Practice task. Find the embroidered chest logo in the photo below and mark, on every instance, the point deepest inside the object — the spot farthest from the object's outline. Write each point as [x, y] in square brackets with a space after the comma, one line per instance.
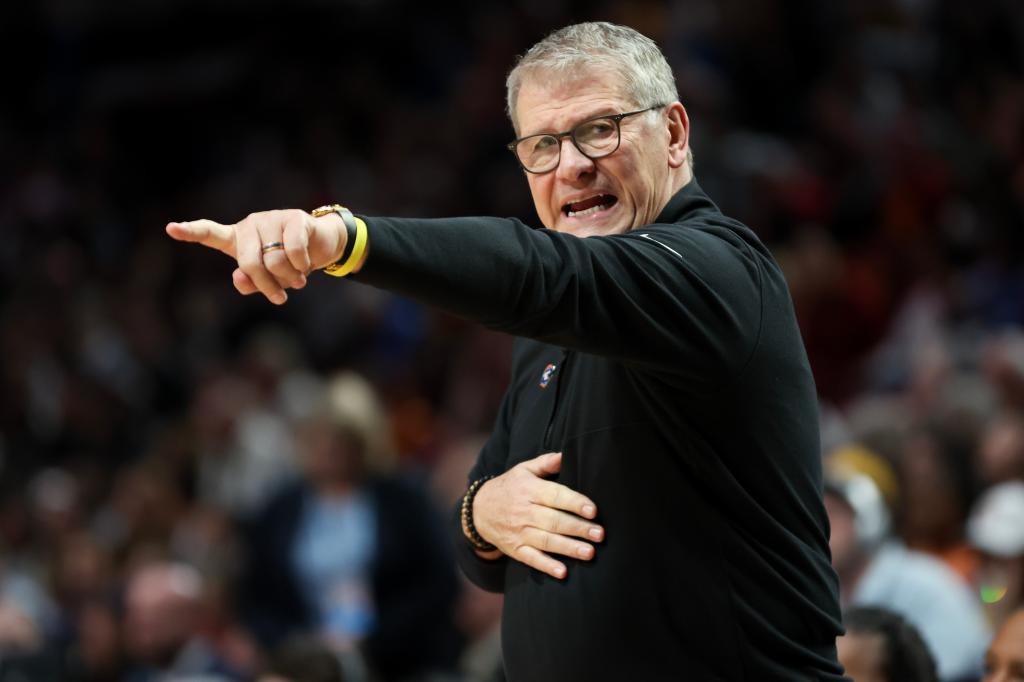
[545, 376]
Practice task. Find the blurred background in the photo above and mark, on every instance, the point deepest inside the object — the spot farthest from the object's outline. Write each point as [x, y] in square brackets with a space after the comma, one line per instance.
[170, 452]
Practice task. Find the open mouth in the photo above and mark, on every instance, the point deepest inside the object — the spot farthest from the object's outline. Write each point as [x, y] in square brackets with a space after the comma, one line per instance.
[589, 206]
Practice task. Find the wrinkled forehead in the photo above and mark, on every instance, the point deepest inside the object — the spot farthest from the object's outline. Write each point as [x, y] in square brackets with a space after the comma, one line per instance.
[545, 91]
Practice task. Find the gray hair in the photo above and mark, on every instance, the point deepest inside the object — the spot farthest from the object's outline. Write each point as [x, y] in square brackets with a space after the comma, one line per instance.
[599, 46]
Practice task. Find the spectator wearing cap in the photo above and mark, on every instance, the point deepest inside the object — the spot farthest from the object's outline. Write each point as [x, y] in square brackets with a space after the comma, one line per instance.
[875, 569]
[996, 528]
[1004, 660]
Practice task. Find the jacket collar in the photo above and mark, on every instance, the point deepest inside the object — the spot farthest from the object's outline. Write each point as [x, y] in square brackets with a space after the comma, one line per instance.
[688, 200]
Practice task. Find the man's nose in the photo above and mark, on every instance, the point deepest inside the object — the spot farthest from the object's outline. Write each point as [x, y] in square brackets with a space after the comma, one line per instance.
[573, 163]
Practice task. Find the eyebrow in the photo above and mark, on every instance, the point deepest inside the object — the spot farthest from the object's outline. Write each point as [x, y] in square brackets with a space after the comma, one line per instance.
[598, 113]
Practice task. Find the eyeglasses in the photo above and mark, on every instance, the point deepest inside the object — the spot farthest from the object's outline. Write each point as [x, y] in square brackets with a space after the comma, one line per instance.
[595, 137]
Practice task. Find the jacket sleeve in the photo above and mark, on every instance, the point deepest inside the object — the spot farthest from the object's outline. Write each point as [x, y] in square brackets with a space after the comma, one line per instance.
[487, 574]
[679, 300]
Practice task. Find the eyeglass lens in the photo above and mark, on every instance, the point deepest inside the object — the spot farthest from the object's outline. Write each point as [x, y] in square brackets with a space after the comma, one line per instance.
[595, 138]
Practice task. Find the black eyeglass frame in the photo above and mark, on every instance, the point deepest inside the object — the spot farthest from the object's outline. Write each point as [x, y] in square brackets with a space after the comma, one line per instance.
[571, 134]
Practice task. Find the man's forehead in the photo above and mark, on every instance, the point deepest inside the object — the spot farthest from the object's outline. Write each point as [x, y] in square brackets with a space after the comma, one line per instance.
[548, 99]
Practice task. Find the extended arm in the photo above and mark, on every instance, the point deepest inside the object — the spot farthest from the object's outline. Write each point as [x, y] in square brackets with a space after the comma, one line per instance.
[680, 300]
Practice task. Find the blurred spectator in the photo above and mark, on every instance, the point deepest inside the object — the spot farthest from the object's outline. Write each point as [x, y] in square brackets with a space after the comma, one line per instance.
[243, 445]
[18, 633]
[28, 613]
[163, 627]
[141, 509]
[97, 654]
[303, 659]
[1003, 364]
[350, 551]
[1001, 450]
[880, 646]
[996, 528]
[876, 570]
[27, 617]
[1004, 661]
[477, 612]
[937, 490]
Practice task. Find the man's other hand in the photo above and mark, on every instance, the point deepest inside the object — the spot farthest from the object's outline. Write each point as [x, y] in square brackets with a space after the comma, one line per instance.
[298, 244]
[529, 518]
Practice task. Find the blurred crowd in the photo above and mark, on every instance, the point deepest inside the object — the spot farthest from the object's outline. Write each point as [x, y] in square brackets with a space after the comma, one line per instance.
[173, 456]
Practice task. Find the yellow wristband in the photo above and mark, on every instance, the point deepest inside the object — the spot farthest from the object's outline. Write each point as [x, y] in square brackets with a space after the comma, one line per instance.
[346, 268]
[357, 232]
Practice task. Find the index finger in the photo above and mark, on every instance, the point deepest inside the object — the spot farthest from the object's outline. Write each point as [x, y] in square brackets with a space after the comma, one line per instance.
[205, 232]
[558, 496]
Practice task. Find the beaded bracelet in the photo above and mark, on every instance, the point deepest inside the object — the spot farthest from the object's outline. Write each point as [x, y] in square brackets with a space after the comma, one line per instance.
[471, 533]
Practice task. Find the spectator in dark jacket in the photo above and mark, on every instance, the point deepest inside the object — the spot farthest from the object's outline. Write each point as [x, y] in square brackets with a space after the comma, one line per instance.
[350, 552]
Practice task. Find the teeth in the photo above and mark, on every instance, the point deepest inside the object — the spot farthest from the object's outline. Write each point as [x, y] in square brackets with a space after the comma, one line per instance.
[588, 211]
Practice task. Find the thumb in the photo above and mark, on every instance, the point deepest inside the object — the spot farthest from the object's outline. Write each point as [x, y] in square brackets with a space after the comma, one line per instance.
[205, 232]
[545, 465]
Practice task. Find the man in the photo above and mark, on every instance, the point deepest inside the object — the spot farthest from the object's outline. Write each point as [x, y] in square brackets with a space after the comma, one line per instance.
[1004, 661]
[880, 646]
[650, 499]
[162, 624]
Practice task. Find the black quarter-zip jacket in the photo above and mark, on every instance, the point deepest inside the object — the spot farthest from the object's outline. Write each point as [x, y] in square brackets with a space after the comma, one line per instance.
[666, 365]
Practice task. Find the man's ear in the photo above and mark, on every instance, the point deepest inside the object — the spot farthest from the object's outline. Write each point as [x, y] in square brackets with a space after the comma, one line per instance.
[679, 134]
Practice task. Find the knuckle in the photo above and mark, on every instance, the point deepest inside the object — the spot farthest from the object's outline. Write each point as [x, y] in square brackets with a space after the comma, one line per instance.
[276, 261]
[250, 266]
[277, 266]
[557, 523]
[557, 495]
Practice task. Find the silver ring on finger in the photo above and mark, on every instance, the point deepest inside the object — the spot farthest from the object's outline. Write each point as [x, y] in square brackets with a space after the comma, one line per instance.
[272, 246]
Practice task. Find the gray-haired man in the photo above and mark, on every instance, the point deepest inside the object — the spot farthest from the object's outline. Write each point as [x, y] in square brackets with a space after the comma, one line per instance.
[650, 498]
